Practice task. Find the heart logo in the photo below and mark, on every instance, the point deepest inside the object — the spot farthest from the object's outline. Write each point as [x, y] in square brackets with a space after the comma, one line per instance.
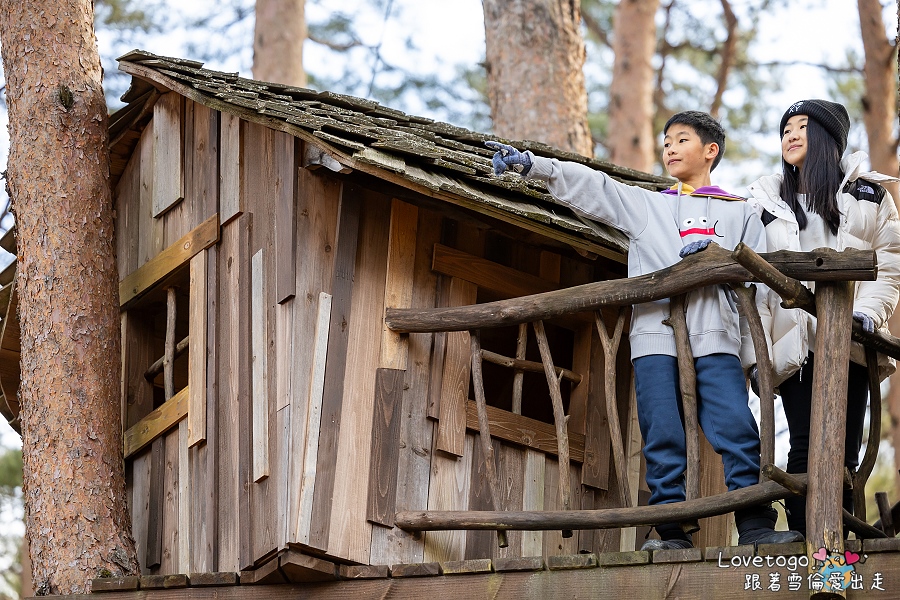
[852, 557]
[821, 554]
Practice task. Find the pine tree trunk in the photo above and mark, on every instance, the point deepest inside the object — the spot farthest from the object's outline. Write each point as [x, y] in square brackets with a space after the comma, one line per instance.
[630, 131]
[879, 115]
[58, 177]
[535, 56]
[278, 42]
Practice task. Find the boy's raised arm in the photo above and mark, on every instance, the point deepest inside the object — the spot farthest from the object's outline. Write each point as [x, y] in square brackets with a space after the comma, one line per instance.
[589, 193]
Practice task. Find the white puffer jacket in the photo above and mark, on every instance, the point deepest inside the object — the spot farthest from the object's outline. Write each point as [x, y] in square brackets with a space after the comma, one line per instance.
[868, 223]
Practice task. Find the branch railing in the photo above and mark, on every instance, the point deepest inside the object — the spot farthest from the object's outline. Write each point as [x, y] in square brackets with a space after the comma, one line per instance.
[782, 272]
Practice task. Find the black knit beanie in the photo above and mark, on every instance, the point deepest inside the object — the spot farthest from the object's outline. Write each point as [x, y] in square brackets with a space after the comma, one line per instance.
[830, 115]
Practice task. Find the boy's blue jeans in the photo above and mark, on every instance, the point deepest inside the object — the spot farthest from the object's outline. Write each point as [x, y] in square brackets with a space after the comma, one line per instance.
[724, 415]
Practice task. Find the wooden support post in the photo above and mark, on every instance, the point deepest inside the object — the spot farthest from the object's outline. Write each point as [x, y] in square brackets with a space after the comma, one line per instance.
[484, 431]
[884, 509]
[871, 455]
[519, 377]
[746, 296]
[169, 358]
[828, 418]
[560, 418]
[687, 377]
[610, 350]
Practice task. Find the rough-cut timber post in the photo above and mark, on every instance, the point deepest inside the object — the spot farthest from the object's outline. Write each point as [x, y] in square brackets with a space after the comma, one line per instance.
[871, 455]
[610, 350]
[169, 357]
[559, 417]
[687, 383]
[605, 518]
[76, 515]
[519, 377]
[747, 301]
[828, 417]
[484, 431]
[713, 266]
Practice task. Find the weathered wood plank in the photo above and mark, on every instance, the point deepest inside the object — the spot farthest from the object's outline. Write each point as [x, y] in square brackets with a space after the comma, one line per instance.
[155, 522]
[299, 568]
[455, 380]
[385, 451]
[318, 208]
[595, 468]
[524, 431]
[398, 288]
[352, 537]
[138, 490]
[241, 353]
[203, 187]
[160, 266]
[127, 202]
[511, 472]
[533, 499]
[168, 148]
[260, 373]
[286, 190]
[150, 230]
[449, 486]
[488, 274]
[159, 421]
[309, 456]
[197, 379]
[137, 392]
[395, 546]
[183, 525]
[338, 342]
[231, 155]
[170, 560]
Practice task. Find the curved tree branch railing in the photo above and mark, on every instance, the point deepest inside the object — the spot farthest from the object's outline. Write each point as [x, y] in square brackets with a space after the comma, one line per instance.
[714, 266]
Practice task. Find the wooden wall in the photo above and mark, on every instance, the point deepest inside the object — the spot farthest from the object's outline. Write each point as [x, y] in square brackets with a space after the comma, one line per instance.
[308, 424]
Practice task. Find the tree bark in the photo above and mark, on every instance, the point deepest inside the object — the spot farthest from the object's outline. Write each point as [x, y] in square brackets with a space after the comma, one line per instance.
[74, 486]
[278, 42]
[630, 131]
[535, 56]
[879, 114]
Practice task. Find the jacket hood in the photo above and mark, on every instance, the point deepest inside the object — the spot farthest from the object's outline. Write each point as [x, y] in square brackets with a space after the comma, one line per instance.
[709, 191]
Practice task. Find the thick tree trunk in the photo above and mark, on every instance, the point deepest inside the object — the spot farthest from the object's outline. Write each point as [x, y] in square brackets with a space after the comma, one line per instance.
[278, 42]
[58, 176]
[535, 55]
[630, 131]
[879, 116]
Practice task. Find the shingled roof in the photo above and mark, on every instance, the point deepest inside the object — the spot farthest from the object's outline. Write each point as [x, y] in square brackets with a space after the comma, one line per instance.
[448, 162]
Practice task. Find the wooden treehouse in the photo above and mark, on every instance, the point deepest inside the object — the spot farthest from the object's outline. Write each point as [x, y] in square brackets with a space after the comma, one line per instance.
[354, 357]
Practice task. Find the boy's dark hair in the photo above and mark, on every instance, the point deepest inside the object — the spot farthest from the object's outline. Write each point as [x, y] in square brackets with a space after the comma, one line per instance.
[820, 178]
[705, 126]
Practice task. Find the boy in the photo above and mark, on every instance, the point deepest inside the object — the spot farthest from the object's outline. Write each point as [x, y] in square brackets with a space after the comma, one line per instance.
[662, 227]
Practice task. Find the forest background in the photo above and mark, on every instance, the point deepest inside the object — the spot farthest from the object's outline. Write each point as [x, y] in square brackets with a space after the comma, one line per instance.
[743, 60]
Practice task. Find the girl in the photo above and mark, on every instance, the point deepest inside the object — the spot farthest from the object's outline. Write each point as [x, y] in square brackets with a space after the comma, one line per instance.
[823, 201]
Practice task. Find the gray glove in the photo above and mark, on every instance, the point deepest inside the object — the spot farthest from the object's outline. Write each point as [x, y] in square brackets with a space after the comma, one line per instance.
[694, 247]
[508, 157]
[754, 380]
[868, 323]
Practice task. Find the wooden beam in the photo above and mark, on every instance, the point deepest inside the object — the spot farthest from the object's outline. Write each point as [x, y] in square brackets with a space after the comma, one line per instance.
[169, 356]
[524, 431]
[135, 285]
[487, 274]
[197, 364]
[521, 365]
[610, 344]
[258, 361]
[710, 267]
[159, 421]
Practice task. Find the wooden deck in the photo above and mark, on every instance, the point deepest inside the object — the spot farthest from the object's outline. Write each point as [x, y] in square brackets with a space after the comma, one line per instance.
[741, 572]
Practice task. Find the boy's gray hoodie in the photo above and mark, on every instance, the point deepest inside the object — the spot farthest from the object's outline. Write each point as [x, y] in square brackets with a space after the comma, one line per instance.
[658, 226]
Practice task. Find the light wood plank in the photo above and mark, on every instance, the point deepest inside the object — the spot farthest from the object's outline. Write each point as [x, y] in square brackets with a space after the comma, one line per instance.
[449, 490]
[168, 158]
[159, 421]
[197, 357]
[259, 341]
[155, 270]
[533, 499]
[350, 534]
[337, 359]
[314, 415]
[398, 287]
[183, 564]
[284, 353]
[231, 156]
[455, 381]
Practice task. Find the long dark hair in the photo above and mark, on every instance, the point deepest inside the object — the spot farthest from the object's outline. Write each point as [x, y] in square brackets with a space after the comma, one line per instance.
[820, 178]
